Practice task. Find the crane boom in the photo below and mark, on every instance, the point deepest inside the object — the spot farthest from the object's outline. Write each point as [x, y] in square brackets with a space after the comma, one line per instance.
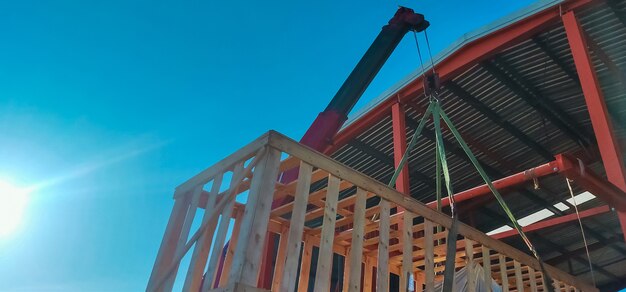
[329, 122]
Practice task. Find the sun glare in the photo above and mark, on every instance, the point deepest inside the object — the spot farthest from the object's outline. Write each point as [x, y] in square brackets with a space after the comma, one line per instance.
[12, 204]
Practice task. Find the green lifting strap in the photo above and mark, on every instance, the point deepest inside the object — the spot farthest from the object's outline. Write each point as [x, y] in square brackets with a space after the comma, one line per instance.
[405, 156]
[499, 198]
[448, 276]
[442, 166]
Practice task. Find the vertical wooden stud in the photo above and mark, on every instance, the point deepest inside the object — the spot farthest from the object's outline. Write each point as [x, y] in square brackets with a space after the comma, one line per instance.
[532, 278]
[279, 269]
[356, 251]
[170, 240]
[203, 245]
[346, 271]
[220, 236]
[305, 267]
[246, 262]
[296, 227]
[503, 274]
[325, 258]
[429, 262]
[419, 282]
[487, 268]
[407, 250]
[184, 235]
[368, 274]
[519, 281]
[230, 253]
[382, 278]
[469, 267]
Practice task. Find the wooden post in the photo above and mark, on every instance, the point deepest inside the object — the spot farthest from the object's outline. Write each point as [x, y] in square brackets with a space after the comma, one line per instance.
[228, 261]
[419, 282]
[356, 251]
[294, 240]
[280, 261]
[247, 258]
[519, 281]
[203, 246]
[368, 275]
[325, 257]
[487, 268]
[170, 240]
[382, 278]
[469, 267]
[407, 250]
[220, 237]
[429, 262]
[556, 284]
[503, 274]
[346, 271]
[305, 267]
[184, 234]
[532, 278]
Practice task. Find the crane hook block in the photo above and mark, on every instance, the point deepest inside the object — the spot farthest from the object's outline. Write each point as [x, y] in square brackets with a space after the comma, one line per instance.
[407, 17]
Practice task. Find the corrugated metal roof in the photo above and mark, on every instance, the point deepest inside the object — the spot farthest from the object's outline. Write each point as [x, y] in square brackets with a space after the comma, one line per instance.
[538, 70]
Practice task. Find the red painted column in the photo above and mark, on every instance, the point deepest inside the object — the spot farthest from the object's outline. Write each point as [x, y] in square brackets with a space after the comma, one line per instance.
[600, 120]
[399, 146]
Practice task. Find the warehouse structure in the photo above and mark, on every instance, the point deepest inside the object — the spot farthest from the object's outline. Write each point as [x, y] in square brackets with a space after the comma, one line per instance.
[539, 96]
[521, 91]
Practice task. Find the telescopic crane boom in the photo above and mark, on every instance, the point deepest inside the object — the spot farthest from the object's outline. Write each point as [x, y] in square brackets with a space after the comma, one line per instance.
[329, 122]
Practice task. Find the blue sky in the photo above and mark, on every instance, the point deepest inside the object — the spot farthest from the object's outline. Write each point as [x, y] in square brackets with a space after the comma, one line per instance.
[106, 106]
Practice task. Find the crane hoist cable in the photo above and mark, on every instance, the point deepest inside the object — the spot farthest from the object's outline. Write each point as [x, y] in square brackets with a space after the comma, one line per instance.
[435, 109]
[582, 230]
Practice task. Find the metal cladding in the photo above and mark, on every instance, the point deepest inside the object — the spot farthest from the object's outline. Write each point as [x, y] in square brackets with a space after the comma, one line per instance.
[533, 87]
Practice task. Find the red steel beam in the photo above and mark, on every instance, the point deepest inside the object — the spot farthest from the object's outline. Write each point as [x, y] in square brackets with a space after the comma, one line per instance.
[554, 221]
[462, 59]
[503, 183]
[563, 165]
[588, 180]
[602, 127]
[399, 146]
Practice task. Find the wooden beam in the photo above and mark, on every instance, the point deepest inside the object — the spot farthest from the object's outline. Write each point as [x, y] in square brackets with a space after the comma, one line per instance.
[230, 253]
[325, 257]
[356, 252]
[532, 279]
[246, 262]
[296, 227]
[368, 274]
[469, 257]
[184, 235]
[382, 278]
[407, 250]
[318, 160]
[281, 255]
[206, 175]
[519, 282]
[220, 237]
[305, 267]
[503, 274]
[487, 268]
[203, 246]
[429, 263]
[170, 240]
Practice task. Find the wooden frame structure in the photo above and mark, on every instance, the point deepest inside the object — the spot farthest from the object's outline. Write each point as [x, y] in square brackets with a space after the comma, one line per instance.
[328, 213]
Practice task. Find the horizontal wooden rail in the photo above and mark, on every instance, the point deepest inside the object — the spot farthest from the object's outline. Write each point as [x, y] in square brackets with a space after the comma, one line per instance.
[343, 172]
[329, 213]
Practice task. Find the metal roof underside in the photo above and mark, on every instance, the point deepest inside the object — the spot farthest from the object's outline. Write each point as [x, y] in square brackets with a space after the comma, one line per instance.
[505, 107]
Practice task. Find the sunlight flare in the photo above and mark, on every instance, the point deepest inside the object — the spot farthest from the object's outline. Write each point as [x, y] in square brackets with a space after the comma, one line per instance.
[13, 202]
